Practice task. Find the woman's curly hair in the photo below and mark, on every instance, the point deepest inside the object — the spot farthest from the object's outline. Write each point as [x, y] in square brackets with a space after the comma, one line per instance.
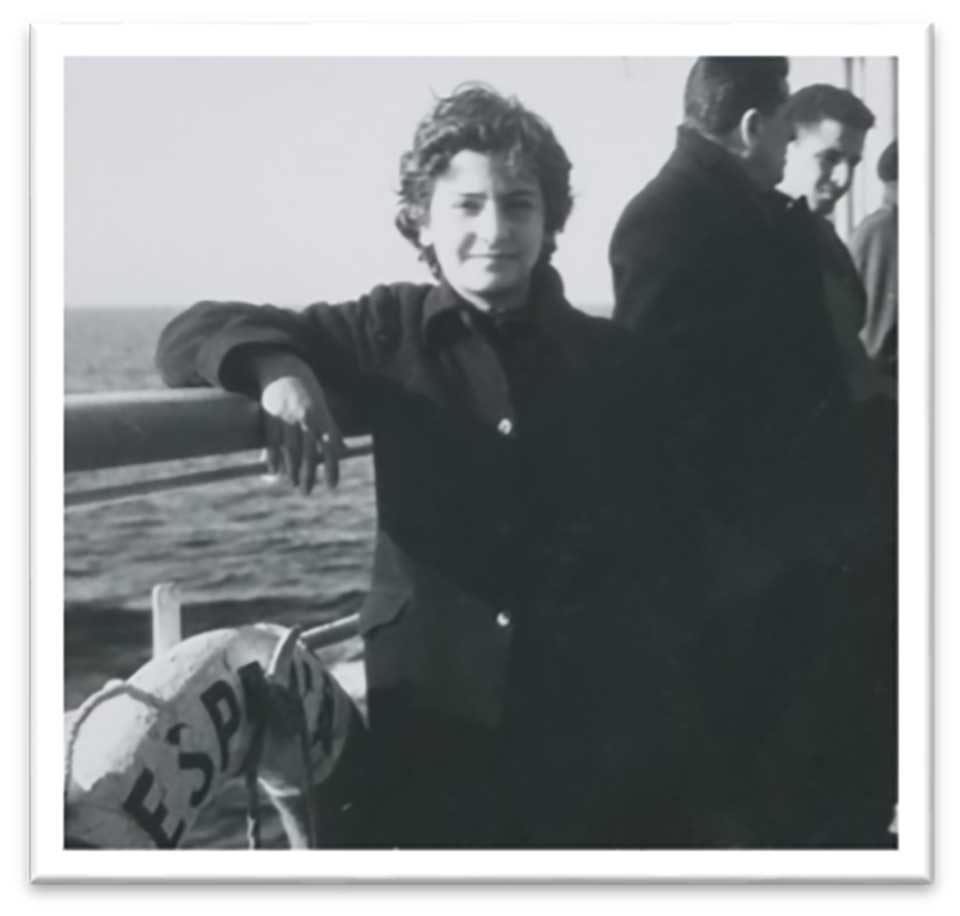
[476, 117]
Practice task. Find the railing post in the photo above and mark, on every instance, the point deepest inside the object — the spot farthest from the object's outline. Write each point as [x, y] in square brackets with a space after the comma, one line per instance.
[165, 603]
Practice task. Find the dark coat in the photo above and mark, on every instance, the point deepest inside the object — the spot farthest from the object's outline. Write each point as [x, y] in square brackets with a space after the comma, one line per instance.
[512, 671]
[722, 286]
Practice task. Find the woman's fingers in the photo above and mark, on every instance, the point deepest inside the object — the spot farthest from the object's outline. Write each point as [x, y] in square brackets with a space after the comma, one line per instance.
[308, 460]
[301, 422]
[330, 436]
[292, 452]
[331, 462]
[273, 453]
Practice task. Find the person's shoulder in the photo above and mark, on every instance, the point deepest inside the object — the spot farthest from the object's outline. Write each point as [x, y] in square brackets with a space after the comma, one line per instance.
[875, 234]
[654, 199]
[386, 317]
[879, 221]
[402, 295]
[598, 335]
[394, 304]
[669, 213]
[651, 226]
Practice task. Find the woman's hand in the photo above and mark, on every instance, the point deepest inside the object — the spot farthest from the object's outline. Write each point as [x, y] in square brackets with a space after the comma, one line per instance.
[298, 418]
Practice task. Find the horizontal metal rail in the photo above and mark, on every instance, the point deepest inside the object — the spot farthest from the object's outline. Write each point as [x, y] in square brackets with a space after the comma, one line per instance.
[167, 623]
[140, 427]
[328, 634]
[89, 496]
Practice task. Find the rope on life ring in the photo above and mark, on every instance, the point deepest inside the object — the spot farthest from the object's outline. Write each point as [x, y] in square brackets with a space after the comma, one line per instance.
[285, 700]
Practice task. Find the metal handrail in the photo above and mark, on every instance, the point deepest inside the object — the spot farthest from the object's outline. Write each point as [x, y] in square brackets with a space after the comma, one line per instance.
[124, 428]
[118, 428]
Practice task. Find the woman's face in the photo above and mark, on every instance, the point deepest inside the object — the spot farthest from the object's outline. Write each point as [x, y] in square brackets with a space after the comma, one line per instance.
[485, 223]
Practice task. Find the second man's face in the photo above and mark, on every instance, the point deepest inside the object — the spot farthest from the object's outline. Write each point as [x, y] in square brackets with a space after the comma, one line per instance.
[486, 226]
[821, 163]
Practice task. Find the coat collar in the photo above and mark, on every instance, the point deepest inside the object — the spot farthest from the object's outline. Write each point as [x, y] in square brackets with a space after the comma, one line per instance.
[720, 171]
[447, 317]
[707, 156]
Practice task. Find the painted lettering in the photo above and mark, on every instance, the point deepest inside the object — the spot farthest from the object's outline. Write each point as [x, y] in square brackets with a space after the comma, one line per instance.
[193, 760]
[151, 820]
[224, 711]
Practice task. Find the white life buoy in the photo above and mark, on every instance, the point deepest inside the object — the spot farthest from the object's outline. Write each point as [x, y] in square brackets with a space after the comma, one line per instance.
[143, 756]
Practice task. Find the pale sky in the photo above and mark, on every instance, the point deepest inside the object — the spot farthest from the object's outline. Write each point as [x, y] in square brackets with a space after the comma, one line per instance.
[273, 179]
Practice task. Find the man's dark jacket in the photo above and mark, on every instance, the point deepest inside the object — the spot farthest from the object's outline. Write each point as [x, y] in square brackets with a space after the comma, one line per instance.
[519, 689]
[722, 286]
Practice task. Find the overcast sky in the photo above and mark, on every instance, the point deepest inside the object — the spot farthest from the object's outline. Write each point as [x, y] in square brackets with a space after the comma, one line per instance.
[273, 179]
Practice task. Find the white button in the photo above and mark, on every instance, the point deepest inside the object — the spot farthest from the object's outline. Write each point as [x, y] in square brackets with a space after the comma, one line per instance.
[504, 619]
[505, 426]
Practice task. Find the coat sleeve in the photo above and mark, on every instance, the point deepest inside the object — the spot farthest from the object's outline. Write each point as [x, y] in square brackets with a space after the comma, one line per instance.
[874, 252]
[212, 343]
[641, 267]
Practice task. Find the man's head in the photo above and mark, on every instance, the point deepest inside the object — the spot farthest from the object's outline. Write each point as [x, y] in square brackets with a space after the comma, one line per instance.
[888, 165]
[737, 102]
[477, 147]
[830, 126]
[888, 171]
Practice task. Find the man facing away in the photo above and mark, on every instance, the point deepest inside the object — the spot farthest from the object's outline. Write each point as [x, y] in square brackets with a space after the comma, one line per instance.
[718, 276]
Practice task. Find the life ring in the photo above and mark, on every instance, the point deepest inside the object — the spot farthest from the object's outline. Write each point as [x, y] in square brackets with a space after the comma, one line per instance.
[145, 755]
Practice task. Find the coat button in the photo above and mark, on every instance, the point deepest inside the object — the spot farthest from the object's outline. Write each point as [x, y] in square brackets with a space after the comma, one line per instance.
[505, 426]
[504, 619]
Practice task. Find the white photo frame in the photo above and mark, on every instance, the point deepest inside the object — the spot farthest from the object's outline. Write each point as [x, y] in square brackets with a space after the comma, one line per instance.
[53, 46]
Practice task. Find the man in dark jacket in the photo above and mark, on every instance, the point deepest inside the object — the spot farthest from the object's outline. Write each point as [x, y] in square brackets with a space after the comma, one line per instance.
[718, 277]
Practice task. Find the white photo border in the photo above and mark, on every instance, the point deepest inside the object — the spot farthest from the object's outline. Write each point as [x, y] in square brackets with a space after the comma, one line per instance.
[51, 45]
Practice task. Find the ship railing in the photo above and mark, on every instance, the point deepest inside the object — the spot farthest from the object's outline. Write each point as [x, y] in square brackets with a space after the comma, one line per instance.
[124, 428]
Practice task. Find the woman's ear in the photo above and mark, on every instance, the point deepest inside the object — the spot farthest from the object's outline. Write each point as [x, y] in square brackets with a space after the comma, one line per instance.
[424, 234]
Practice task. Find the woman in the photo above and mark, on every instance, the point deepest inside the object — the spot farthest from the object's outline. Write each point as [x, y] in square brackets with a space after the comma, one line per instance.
[511, 674]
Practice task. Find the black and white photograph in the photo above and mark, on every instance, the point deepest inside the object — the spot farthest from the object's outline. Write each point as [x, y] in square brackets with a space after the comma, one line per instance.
[481, 460]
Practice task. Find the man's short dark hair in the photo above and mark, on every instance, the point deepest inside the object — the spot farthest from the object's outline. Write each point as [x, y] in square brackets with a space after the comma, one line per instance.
[720, 90]
[823, 102]
[476, 117]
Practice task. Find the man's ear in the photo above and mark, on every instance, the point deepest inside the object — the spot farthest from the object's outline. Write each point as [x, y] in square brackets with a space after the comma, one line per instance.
[749, 128]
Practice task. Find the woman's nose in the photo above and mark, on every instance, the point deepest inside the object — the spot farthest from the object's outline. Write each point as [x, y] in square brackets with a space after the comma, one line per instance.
[492, 223]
